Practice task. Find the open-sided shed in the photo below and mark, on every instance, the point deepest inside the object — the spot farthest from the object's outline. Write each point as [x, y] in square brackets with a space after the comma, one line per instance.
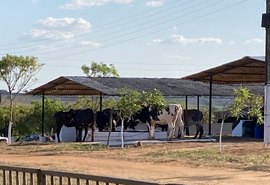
[108, 86]
[247, 70]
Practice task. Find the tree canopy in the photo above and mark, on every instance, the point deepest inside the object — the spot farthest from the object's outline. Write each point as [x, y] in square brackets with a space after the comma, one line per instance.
[100, 70]
[244, 99]
[18, 73]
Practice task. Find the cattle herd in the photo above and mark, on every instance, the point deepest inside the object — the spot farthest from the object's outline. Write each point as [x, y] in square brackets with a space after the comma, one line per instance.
[174, 118]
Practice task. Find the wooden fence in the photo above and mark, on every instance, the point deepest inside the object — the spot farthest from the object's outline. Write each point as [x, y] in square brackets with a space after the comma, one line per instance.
[14, 175]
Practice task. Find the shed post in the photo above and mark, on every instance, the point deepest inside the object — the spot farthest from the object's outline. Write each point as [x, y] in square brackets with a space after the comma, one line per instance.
[198, 102]
[186, 99]
[187, 128]
[100, 101]
[210, 103]
[43, 113]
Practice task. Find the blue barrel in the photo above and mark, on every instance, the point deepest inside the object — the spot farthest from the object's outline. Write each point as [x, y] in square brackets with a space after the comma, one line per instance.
[258, 131]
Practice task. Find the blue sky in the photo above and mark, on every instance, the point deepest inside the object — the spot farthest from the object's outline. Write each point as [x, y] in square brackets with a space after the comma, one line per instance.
[141, 38]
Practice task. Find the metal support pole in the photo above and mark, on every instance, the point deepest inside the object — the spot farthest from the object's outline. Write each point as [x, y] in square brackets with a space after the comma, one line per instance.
[210, 104]
[187, 128]
[186, 99]
[100, 101]
[266, 24]
[42, 114]
[198, 102]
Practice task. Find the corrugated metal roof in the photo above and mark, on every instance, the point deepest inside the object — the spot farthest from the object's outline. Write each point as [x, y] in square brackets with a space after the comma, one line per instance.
[245, 70]
[81, 85]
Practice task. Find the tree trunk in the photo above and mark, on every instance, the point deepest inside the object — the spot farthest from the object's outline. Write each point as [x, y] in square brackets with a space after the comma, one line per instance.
[10, 119]
[122, 133]
[220, 135]
[110, 127]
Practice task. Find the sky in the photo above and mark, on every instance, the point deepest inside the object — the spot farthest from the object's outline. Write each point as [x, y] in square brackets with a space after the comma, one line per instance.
[141, 38]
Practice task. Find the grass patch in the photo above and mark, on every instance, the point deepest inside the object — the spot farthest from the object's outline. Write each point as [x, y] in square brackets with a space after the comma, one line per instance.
[211, 157]
[51, 148]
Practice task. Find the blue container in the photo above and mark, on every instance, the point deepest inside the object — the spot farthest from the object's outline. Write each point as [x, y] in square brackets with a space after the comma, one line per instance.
[258, 131]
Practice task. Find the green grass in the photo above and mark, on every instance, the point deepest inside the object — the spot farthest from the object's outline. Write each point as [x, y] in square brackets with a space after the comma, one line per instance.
[212, 157]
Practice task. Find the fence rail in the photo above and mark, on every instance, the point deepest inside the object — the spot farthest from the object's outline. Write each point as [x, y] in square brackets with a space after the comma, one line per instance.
[15, 175]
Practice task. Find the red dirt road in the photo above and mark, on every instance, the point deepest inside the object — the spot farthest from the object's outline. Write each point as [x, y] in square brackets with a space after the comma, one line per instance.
[163, 173]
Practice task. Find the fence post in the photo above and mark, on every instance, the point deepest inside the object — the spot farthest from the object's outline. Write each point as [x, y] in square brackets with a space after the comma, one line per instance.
[41, 180]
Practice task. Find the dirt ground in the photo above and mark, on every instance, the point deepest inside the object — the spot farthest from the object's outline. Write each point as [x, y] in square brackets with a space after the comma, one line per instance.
[143, 163]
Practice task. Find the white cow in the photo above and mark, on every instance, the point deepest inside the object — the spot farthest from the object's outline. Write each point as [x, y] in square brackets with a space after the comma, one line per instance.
[171, 117]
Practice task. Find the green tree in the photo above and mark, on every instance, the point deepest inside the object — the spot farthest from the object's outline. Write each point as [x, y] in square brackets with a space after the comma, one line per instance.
[33, 119]
[84, 102]
[154, 97]
[132, 101]
[100, 70]
[4, 116]
[243, 99]
[129, 102]
[18, 73]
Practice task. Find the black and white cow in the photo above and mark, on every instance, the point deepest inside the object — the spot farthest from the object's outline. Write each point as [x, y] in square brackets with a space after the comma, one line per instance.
[172, 116]
[142, 116]
[194, 117]
[153, 117]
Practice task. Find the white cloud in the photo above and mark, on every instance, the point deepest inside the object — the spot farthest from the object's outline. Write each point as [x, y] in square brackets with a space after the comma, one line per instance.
[50, 34]
[78, 4]
[66, 23]
[254, 41]
[180, 39]
[90, 43]
[59, 28]
[156, 3]
[155, 41]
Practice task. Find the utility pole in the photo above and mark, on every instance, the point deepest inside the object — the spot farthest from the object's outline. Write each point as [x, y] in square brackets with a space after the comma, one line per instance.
[266, 25]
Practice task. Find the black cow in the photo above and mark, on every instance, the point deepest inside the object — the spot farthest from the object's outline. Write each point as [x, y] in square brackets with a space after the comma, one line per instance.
[83, 119]
[194, 117]
[63, 118]
[4, 131]
[103, 119]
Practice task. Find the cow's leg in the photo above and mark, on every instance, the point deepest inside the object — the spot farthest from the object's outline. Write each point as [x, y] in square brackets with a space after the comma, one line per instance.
[197, 130]
[187, 131]
[179, 129]
[170, 132]
[151, 128]
[77, 134]
[80, 138]
[201, 131]
[58, 129]
[85, 133]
